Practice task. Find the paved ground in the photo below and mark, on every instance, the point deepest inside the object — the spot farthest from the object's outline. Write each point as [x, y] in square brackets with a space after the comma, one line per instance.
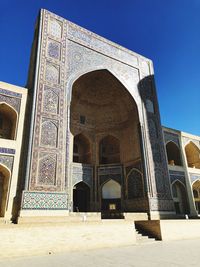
[40, 239]
[162, 254]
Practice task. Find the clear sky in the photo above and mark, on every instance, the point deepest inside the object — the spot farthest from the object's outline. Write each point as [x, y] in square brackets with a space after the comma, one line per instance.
[166, 31]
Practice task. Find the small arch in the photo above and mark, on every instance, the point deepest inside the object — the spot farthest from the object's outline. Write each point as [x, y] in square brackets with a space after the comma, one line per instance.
[173, 154]
[196, 194]
[111, 190]
[109, 150]
[81, 149]
[135, 184]
[179, 197]
[8, 121]
[193, 155]
[4, 182]
[81, 197]
[111, 196]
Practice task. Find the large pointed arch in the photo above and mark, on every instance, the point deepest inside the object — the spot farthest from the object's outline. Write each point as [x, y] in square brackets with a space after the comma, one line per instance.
[74, 77]
[102, 108]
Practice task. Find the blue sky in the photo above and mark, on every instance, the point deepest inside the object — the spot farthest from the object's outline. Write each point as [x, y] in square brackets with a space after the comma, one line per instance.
[166, 31]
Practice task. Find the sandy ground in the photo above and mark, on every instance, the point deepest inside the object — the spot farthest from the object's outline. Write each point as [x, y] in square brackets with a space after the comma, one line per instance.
[174, 253]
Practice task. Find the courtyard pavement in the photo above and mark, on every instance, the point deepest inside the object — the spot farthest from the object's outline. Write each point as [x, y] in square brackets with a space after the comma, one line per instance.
[162, 254]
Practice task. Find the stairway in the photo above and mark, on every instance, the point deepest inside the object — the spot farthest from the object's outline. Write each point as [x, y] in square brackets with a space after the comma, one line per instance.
[143, 237]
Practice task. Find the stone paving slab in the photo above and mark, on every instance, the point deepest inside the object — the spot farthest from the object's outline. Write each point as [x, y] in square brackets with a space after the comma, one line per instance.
[17, 240]
[159, 254]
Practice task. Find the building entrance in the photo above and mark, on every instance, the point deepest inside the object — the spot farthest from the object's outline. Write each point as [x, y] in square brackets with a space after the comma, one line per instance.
[81, 197]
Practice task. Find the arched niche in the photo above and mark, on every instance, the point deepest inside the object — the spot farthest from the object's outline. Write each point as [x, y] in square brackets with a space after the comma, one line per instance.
[81, 149]
[8, 121]
[196, 194]
[192, 155]
[111, 190]
[179, 197]
[4, 181]
[173, 154]
[109, 150]
[135, 184]
[81, 197]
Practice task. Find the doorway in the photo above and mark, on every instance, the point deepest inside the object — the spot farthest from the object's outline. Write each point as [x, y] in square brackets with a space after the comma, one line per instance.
[81, 197]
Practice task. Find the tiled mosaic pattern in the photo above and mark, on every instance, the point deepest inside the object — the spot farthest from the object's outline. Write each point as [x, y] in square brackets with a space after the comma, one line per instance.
[49, 132]
[47, 170]
[51, 101]
[135, 185]
[44, 201]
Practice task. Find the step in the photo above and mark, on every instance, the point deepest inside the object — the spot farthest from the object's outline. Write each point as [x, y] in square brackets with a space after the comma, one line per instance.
[142, 237]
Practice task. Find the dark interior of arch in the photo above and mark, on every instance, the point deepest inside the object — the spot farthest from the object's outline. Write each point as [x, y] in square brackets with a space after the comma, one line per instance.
[8, 118]
[173, 154]
[109, 150]
[81, 149]
[102, 106]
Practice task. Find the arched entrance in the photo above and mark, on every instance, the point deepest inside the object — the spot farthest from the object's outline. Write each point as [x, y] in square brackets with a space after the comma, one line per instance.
[81, 197]
[4, 180]
[104, 111]
[111, 196]
[179, 197]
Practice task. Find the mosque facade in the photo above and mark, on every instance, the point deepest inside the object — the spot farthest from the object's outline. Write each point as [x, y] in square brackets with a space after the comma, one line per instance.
[85, 135]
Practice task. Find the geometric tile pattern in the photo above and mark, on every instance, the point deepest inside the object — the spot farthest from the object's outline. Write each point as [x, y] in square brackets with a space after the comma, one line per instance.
[54, 49]
[177, 175]
[50, 101]
[44, 201]
[49, 132]
[55, 28]
[135, 185]
[47, 170]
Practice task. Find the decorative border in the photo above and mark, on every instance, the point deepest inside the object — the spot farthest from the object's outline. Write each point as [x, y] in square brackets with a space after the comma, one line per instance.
[7, 150]
[177, 175]
[10, 93]
[44, 201]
